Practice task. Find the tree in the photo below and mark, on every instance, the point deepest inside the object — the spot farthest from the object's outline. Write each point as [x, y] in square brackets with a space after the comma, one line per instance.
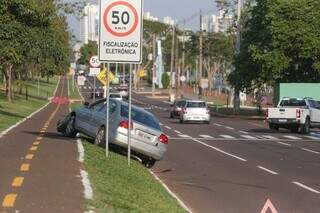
[86, 51]
[280, 43]
[165, 80]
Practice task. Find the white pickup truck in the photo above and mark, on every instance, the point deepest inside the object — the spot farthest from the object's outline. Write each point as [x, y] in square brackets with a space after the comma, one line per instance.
[296, 114]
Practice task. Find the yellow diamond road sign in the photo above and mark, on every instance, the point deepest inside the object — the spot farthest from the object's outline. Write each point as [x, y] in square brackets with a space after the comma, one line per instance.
[102, 77]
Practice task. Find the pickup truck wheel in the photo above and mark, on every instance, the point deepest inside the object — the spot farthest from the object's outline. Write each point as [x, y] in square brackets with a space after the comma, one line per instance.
[273, 126]
[100, 137]
[305, 128]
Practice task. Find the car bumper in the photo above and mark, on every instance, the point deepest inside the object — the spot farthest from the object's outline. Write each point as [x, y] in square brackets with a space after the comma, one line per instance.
[155, 151]
[187, 117]
[283, 121]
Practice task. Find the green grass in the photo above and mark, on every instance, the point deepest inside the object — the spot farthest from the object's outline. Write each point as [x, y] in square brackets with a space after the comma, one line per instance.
[73, 91]
[11, 113]
[119, 188]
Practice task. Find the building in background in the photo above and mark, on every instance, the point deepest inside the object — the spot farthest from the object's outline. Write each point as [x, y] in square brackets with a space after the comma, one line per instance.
[221, 22]
[149, 17]
[89, 24]
[168, 20]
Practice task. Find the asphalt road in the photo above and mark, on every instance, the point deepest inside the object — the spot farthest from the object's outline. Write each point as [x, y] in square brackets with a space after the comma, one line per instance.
[39, 167]
[235, 165]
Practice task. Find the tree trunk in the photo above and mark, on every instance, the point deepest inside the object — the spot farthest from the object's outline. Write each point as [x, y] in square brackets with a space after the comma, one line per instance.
[9, 83]
[20, 83]
[236, 101]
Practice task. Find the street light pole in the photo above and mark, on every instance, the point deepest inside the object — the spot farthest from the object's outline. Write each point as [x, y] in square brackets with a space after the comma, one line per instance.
[154, 64]
[200, 56]
[172, 61]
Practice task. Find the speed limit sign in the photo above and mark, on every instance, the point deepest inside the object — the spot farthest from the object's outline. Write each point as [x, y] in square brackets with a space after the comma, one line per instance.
[121, 26]
[94, 62]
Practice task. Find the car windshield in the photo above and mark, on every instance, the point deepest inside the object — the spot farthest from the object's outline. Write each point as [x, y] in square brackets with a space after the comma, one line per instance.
[141, 117]
[293, 103]
[115, 96]
[196, 105]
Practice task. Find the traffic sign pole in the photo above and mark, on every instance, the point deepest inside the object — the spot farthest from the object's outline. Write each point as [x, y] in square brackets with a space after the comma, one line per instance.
[94, 88]
[107, 111]
[129, 115]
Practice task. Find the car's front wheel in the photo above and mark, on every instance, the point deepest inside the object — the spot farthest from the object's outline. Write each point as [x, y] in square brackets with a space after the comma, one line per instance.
[100, 138]
[148, 162]
[305, 128]
[70, 129]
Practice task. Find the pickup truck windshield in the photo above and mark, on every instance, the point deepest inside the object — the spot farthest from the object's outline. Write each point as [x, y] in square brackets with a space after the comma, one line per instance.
[293, 103]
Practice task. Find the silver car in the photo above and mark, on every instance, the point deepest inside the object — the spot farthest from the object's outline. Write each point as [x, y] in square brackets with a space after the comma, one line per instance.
[148, 142]
[195, 111]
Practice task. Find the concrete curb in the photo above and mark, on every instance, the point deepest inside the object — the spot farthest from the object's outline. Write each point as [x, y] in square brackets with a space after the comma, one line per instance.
[216, 114]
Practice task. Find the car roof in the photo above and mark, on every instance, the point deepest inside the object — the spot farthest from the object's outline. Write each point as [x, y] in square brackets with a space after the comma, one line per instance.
[139, 109]
[196, 101]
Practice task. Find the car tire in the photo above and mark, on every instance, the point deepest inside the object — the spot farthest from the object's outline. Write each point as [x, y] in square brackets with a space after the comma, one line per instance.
[207, 122]
[100, 138]
[273, 126]
[305, 128]
[70, 129]
[294, 129]
[148, 162]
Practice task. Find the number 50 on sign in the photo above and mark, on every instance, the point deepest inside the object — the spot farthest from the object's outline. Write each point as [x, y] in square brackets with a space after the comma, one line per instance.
[121, 26]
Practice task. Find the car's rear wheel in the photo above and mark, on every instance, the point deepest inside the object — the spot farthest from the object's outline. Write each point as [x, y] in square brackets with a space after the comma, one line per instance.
[273, 126]
[148, 162]
[305, 128]
[100, 138]
[70, 129]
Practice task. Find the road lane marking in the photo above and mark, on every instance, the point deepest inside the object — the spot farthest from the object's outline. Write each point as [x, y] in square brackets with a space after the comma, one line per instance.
[33, 148]
[206, 136]
[227, 136]
[228, 127]
[25, 167]
[292, 137]
[17, 181]
[267, 170]
[309, 150]
[9, 200]
[282, 143]
[176, 131]
[168, 127]
[249, 137]
[306, 187]
[220, 150]
[29, 156]
[312, 137]
[217, 124]
[243, 132]
[39, 138]
[36, 143]
[184, 136]
[270, 137]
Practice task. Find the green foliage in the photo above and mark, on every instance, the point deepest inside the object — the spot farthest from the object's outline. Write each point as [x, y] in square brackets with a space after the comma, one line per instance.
[280, 43]
[165, 80]
[86, 51]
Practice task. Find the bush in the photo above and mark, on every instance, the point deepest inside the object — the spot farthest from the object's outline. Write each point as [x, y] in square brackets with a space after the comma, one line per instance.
[165, 80]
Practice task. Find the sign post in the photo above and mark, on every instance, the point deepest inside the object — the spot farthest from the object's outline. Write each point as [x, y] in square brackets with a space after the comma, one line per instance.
[94, 64]
[120, 41]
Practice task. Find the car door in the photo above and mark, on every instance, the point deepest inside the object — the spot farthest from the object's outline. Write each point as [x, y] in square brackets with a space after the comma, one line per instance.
[315, 111]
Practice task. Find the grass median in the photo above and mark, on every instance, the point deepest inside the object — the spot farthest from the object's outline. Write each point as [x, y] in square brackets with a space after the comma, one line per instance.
[19, 108]
[119, 188]
[74, 96]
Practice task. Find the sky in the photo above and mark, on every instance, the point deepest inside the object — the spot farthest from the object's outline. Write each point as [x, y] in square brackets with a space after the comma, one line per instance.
[177, 9]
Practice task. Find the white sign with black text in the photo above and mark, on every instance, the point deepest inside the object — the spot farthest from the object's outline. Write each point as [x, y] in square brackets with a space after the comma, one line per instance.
[121, 27]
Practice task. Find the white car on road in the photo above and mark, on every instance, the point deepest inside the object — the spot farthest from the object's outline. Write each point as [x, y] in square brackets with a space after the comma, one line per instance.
[195, 111]
[295, 114]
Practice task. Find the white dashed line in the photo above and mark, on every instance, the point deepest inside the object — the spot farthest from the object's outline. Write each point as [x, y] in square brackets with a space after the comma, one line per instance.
[267, 170]
[184, 136]
[206, 136]
[176, 131]
[306, 187]
[228, 127]
[269, 137]
[217, 124]
[168, 127]
[227, 136]
[292, 137]
[219, 150]
[286, 144]
[309, 150]
[248, 137]
[243, 132]
[312, 137]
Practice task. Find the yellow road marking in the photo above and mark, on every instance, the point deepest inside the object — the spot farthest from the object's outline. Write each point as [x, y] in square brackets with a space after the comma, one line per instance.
[9, 200]
[17, 181]
[29, 156]
[39, 138]
[33, 148]
[42, 131]
[25, 167]
[36, 143]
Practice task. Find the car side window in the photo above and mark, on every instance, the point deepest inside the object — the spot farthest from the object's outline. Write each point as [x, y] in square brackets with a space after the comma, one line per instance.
[113, 107]
[97, 106]
[316, 105]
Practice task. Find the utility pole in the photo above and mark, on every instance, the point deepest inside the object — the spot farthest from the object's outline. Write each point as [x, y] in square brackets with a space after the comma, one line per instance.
[172, 60]
[200, 56]
[154, 43]
[183, 48]
[177, 69]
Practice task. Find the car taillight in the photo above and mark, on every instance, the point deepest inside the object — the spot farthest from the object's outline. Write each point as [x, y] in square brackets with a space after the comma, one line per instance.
[163, 139]
[125, 124]
[298, 113]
